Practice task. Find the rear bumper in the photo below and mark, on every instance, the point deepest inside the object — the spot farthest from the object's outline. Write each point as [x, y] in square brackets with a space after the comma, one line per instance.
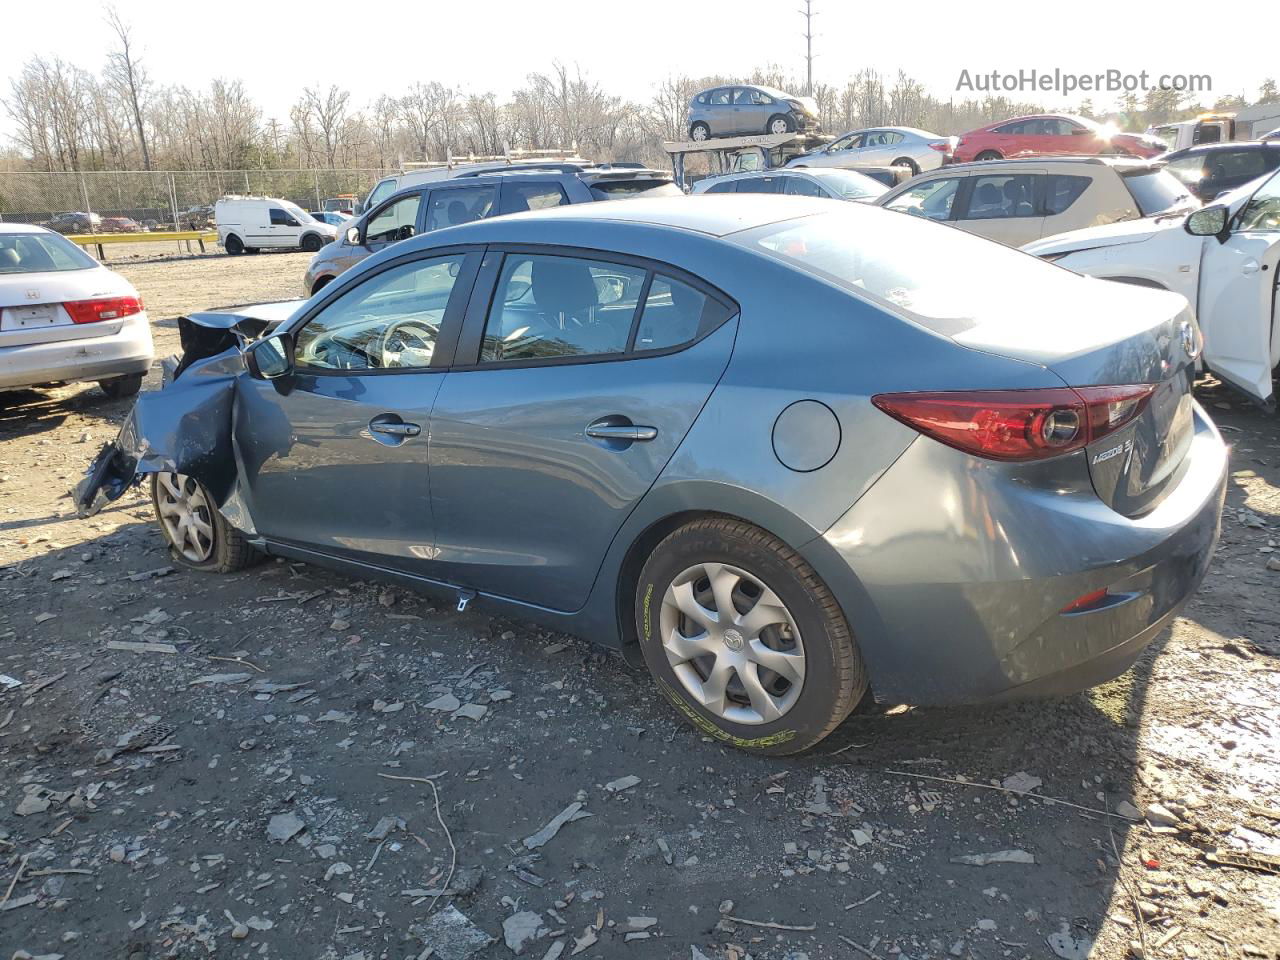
[956, 574]
[126, 352]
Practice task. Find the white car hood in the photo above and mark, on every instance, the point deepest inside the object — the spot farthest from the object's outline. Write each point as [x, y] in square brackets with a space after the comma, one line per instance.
[1107, 235]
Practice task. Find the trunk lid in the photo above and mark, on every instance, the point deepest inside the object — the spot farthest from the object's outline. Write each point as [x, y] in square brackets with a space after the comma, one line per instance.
[1116, 334]
[31, 308]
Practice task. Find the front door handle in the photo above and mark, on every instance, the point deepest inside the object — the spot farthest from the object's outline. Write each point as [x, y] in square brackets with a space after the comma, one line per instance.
[389, 429]
[625, 432]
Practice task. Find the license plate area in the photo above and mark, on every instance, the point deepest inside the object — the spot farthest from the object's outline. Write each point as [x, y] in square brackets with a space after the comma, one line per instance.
[26, 318]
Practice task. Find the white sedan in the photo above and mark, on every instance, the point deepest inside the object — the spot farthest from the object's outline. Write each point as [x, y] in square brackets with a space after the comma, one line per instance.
[65, 318]
[1224, 258]
[882, 147]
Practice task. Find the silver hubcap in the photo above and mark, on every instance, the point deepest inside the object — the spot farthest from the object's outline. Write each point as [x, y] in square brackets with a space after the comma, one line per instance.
[699, 133]
[186, 515]
[779, 126]
[732, 643]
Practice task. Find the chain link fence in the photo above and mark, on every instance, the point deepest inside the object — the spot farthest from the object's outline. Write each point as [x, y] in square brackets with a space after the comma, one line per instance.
[168, 199]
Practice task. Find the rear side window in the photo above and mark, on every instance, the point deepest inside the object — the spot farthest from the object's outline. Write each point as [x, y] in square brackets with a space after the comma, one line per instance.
[673, 314]
[534, 196]
[40, 253]
[1002, 197]
[548, 308]
[449, 208]
[1062, 191]
[1155, 191]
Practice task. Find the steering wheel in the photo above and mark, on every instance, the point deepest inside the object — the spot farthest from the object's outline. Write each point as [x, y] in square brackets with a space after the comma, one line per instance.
[411, 337]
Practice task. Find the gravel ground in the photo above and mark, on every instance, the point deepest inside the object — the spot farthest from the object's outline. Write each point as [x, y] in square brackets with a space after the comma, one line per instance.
[296, 765]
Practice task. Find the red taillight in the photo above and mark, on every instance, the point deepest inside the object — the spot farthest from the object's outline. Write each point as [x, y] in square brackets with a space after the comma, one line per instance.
[1086, 602]
[1018, 424]
[942, 147]
[109, 308]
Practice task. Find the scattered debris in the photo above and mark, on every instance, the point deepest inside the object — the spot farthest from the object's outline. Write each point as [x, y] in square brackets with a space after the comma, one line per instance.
[1068, 946]
[1021, 782]
[141, 646]
[572, 812]
[999, 856]
[449, 935]
[283, 827]
[622, 783]
[520, 928]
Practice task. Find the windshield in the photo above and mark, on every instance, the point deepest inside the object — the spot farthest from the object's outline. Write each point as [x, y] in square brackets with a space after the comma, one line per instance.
[41, 253]
[1262, 212]
[1156, 191]
[938, 275]
[298, 213]
[849, 184]
[631, 189]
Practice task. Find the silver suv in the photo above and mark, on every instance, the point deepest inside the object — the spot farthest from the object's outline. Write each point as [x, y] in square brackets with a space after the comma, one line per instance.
[741, 110]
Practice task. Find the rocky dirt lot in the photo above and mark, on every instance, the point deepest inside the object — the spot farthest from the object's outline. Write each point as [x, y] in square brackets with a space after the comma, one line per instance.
[287, 763]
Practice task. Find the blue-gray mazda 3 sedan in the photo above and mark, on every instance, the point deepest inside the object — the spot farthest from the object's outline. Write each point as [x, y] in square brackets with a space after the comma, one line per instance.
[793, 449]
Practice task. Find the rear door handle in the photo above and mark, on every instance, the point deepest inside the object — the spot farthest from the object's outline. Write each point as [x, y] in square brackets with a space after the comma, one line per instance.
[626, 432]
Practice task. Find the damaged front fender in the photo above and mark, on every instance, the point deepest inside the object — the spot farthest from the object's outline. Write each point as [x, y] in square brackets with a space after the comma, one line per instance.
[186, 426]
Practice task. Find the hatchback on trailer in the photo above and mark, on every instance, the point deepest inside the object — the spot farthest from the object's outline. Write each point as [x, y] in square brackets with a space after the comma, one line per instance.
[66, 318]
[793, 449]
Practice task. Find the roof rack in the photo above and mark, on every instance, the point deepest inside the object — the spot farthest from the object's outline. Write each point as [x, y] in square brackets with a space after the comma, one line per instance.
[508, 157]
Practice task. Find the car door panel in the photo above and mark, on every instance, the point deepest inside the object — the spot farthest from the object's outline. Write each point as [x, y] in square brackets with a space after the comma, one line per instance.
[525, 502]
[1236, 309]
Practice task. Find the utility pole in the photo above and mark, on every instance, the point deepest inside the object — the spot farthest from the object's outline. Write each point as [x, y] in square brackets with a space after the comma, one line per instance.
[808, 46]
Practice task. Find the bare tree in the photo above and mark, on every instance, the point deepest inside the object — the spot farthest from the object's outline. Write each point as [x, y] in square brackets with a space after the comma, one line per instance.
[125, 71]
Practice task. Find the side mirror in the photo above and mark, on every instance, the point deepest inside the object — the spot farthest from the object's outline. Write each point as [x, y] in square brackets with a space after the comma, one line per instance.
[269, 358]
[1208, 222]
[353, 236]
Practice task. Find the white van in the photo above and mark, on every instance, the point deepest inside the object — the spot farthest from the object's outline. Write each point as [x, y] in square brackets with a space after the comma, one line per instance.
[250, 224]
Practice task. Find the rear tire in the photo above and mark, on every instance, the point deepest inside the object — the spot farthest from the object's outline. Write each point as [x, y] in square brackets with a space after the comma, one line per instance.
[120, 388]
[989, 155]
[233, 245]
[715, 671]
[198, 536]
[909, 164]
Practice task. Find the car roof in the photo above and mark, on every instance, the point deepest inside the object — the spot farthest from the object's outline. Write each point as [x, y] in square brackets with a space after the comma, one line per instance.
[1232, 145]
[1119, 163]
[22, 228]
[716, 216]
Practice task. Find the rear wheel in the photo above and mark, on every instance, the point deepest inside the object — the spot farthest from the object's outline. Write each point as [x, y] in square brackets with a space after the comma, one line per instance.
[989, 155]
[699, 131]
[780, 123]
[745, 639]
[118, 388]
[909, 164]
[233, 245]
[199, 537]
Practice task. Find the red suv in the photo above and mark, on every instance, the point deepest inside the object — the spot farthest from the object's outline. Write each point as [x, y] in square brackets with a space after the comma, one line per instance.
[1050, 135]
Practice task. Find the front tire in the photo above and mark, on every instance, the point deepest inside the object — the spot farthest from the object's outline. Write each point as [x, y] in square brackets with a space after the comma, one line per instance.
[699, 131]
[780, 123]
[121, 388]
[198, 536]
[745, 639]
[233, 245]
[311, 243]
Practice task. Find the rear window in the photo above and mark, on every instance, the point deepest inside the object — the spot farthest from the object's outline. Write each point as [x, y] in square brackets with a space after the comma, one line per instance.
[943, 280]
[41, 253]
[631, 189]
[1155, 191]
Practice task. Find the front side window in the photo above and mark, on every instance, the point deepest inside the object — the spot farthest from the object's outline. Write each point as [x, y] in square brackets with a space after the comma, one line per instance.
[758, 185]
[390, 321]
[721, 97]
[723, 187]
[1189, 169]
[1061, 191]
[850, 184]
[449, 208]
[1262, 212]
[41, 253]
[549, 307]
[394, 222]
[281, 219]
[852, 142]
[933, 199]
[1002, 197]
[1057, 127]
